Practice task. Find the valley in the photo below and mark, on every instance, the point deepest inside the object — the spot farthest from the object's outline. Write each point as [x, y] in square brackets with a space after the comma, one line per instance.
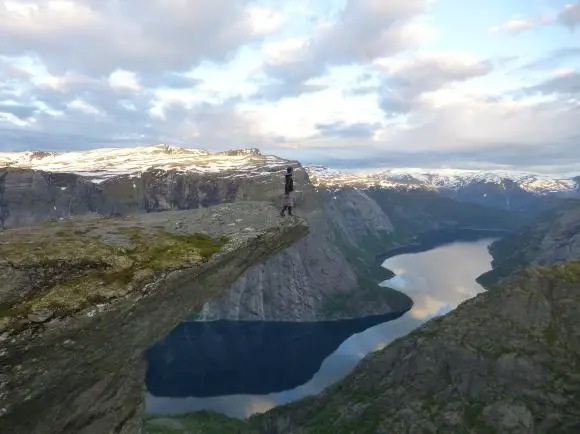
[117, 210]
[246, 367]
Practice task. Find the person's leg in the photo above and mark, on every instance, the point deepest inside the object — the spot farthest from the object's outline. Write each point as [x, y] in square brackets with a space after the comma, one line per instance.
[290, 210]
[285, 203]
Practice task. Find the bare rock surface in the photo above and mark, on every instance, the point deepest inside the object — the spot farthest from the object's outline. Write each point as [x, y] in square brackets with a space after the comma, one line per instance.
[87, 296]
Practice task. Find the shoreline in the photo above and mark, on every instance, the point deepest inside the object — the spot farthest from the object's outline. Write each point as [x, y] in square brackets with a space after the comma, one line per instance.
[439, 237]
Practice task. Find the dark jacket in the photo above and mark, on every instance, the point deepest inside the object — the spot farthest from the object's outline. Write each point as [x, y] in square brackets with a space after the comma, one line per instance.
[289, 184]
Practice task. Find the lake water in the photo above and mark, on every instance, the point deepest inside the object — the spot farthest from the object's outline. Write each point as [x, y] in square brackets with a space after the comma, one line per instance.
[241, 368]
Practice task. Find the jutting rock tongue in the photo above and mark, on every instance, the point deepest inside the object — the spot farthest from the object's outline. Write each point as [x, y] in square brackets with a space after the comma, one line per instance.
[73, 337]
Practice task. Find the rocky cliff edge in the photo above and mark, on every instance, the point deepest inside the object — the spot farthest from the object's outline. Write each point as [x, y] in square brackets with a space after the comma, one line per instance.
[81, 299]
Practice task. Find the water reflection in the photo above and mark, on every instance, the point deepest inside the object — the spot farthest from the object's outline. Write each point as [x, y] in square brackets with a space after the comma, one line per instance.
[253, 357]
[437, 280]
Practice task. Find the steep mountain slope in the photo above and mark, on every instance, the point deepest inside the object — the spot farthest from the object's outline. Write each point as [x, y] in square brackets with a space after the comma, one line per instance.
[501, 189]
[552, 239]
[506, 361]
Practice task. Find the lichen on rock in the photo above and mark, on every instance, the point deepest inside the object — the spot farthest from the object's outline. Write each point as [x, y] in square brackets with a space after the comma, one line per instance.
[68, 266]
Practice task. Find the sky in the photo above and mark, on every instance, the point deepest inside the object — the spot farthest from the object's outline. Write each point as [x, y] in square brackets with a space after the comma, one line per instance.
[345, 83]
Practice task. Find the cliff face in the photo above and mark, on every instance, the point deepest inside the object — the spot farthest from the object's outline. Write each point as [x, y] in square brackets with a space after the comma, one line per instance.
[28, 196]
[329, 274]
[72, 336]
[32, 196]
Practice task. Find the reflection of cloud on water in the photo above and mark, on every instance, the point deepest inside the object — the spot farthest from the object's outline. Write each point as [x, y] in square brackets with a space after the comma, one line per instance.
[441, 278]
[425, 306]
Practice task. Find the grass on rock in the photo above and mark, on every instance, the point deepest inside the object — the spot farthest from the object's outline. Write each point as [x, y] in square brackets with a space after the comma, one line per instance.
[73, 268]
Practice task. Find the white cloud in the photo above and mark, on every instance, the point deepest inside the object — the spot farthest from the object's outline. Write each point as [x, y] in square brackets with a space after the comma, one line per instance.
[145, 37]
[296, 118]
[514, 26]
[364, 31]
[264, 21]
[570, 15]
[367, 80]
[408, 79]
[124, 80]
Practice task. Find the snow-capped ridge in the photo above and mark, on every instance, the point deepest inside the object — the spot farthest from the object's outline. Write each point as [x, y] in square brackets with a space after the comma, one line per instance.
[101, 164]
[440, 179]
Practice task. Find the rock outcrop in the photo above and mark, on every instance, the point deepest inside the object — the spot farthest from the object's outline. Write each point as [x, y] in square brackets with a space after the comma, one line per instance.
[85, 297]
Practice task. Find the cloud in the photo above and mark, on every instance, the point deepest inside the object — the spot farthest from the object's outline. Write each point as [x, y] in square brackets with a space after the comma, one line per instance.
[339, 129]
[346, 82]
[146, 37]
[75, 110]
[570, 15]
[407, 80]
[455, 128]
[553, 59]
[565, 82]
[17, 110]
[514, 26]
[364, 31]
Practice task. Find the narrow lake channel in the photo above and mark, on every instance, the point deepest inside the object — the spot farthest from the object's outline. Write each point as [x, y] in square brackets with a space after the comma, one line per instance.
[242, 368]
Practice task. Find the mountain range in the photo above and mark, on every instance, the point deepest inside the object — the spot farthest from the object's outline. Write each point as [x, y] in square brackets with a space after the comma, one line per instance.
[499, 188]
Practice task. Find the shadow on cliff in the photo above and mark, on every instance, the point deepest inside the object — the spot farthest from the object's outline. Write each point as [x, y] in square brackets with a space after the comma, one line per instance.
[217, 358]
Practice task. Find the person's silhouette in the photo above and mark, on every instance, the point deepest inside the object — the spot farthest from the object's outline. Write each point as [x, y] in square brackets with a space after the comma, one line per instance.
[288, 201]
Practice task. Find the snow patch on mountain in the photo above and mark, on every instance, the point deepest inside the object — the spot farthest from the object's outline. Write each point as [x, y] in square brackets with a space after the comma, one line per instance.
[443, 179]
[105, 163]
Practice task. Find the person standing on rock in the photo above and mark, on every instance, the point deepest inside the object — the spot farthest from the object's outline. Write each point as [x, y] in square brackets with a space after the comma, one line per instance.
[288, 201]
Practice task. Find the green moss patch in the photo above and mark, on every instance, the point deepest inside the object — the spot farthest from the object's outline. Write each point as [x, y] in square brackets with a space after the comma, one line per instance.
[73, 268]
